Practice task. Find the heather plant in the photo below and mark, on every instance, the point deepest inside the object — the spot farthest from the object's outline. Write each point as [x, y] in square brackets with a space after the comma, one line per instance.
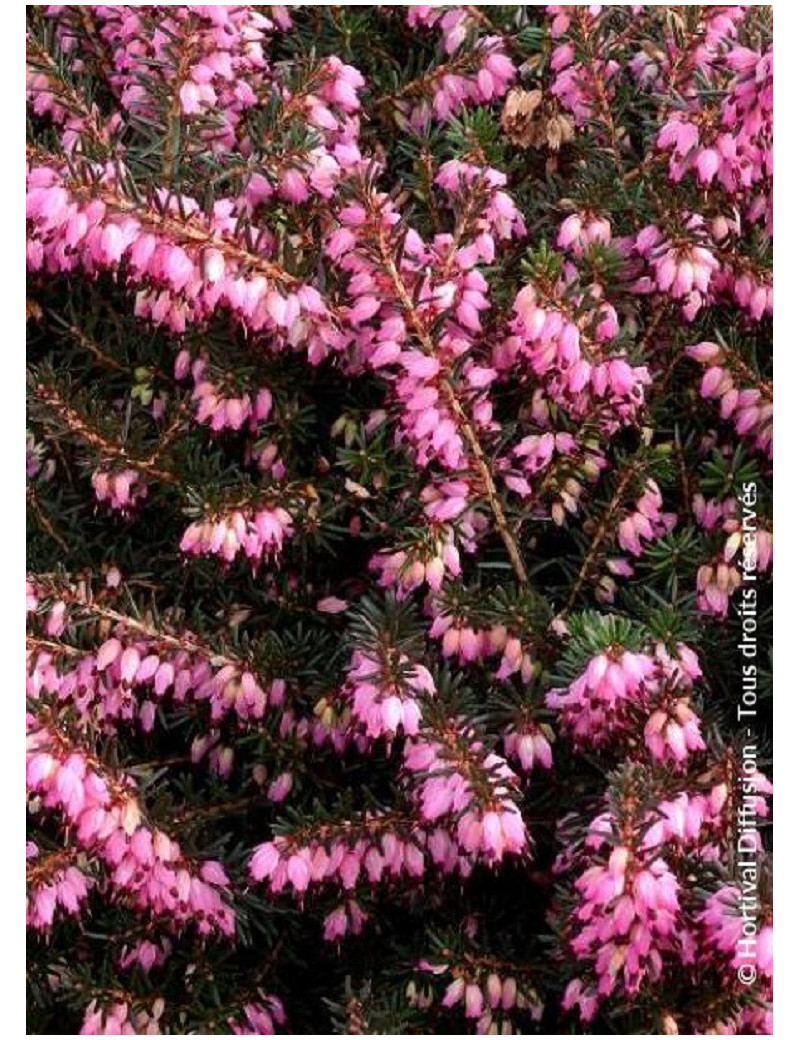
[399, 511]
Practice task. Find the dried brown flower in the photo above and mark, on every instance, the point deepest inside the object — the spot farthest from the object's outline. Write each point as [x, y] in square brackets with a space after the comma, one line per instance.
[532, 122]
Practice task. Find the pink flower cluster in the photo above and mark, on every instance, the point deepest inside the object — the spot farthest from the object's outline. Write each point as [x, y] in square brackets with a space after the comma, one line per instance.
[461, 639]
[719, 579]
[737, 157]
[548, 456]
[452, 524]
[749, 288]
[122, 490]
[407, 569]
[577, 358]
[119, 1019]
[259, 533]
[573, 84]
[60, 887]
[220, 410]
[260, 1018]
[375, 850]
[646, 522]
[622, 692]
[537, 452]
[498, 219]
[627, 921]
[347, 919]
[631, 919]
[466, 78]
[145, 954]
[630, 923]
[579, 231]
[129, 675]
[386, 694]
[488, 997]
[428, 283]
[597, 703]
[371, 850]
[681, 269]
[739, 937]
[697, 822]
[529, 744]
[749, 409]
[457, 780]
[464, 813]
[144, 866]
[183, 265]
[228, 72]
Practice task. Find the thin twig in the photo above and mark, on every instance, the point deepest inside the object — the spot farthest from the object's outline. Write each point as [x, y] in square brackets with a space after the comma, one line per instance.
[600, 534]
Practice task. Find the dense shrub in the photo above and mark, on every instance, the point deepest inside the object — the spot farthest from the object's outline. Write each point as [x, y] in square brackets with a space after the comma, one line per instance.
[399, 460]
